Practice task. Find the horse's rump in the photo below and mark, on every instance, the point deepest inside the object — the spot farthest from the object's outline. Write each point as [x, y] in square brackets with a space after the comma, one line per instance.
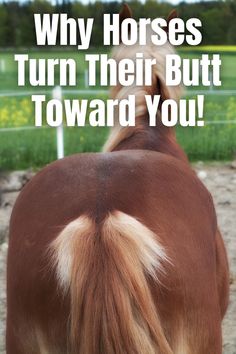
[97, 196]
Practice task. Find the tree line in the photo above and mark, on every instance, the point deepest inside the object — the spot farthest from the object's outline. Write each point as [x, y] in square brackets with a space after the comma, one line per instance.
[17, 24]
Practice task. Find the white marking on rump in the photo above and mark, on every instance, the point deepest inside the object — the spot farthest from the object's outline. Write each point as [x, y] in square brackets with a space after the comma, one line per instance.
[63, 248]
[150, 253]
[144, 242]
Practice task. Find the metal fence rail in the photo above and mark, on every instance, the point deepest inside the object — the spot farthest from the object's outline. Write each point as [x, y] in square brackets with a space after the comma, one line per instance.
[49, 92]
[105, 92]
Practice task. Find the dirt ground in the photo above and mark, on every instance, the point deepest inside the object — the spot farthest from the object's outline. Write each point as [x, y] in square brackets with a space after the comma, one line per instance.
[220, 179]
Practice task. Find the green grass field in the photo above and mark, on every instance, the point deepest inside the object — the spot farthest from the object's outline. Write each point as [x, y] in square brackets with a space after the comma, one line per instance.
[35, 148]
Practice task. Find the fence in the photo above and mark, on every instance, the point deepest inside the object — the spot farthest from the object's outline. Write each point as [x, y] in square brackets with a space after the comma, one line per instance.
[56, 93]
[217, 113]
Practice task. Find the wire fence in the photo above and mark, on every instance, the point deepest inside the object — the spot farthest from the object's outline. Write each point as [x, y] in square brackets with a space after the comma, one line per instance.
[40, 145]
[98, 92]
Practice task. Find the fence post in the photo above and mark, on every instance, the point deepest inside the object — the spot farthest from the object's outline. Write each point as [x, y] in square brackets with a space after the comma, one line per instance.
[2, 66]
[211, 81]
[86, 79]
[57, 95]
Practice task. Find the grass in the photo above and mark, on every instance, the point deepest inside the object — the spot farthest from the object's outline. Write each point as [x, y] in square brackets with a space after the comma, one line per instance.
[208, 143]
[35, 148]
[21, 150]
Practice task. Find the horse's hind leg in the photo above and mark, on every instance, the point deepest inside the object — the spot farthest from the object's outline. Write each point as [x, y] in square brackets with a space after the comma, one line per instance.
[199, 333]
[222, 276]
[14, 345]
[200, 345]
[21, 339]
[208, 343]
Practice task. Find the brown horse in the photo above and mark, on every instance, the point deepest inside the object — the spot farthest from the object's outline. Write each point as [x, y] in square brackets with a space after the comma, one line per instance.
[118, 252]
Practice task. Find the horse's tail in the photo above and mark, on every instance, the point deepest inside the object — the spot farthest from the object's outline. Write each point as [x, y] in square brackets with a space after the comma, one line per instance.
[106, 269]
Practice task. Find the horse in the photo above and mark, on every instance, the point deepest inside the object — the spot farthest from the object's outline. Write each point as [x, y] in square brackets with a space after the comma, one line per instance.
[118, 252]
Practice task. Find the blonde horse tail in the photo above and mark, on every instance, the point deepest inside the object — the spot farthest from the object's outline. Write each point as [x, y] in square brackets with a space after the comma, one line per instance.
[105, 269]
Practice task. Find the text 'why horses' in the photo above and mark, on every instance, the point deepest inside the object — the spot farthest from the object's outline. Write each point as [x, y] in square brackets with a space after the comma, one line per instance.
[59, 29]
